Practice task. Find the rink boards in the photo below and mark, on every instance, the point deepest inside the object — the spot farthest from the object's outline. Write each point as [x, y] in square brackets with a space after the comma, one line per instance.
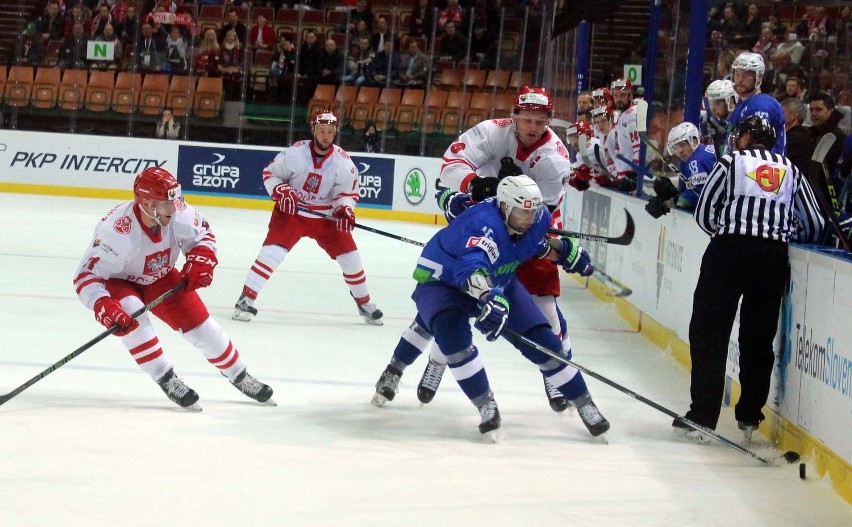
[811, 402]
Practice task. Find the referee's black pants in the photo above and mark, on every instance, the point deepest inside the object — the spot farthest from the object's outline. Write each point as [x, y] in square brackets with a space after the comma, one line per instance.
[734, 267]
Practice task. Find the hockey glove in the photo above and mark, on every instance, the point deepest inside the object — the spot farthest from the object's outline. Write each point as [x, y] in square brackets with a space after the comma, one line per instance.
[626, 183]
[494, 313]
[582, 176]
[508, 168]
[481, 188]
[664, 188]
[345, 218]
[603, 180]
[287, 198]
[656, 207]
[198, 269]
[453, 203]
[109, 313]
[574, 259]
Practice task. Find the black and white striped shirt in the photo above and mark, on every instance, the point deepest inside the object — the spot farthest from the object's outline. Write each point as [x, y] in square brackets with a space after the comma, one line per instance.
[757, 193]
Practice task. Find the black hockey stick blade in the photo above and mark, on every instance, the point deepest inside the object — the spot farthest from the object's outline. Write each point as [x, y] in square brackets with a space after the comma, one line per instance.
[514, 335]
[818, 163]
[624, 239]
[371, 229]
[61, 362]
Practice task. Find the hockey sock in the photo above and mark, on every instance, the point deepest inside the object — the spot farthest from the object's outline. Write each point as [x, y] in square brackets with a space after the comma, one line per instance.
[353, 274]
[412, 343]
[469, 371]
[216, 347]
[268, 260]
[143, 344]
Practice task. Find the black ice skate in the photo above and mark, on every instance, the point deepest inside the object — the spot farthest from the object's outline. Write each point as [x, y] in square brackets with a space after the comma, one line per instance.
[748, 428]
[387, 386]
[178, 392]
[372, 314]
[686, 431]
[592, 418]
[490, 415]
[558, 402]
[253, 388]
[430, 381]
[244, 309]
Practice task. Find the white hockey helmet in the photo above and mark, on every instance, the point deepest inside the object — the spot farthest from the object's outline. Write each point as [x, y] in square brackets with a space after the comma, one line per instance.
[750, 62]
[518, 192]
[683, 132]
[723, 90]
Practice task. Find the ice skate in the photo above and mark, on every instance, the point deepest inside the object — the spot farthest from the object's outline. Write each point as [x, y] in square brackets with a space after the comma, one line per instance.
[558, 402]
[253, 388]
[490, 415]
[748, 428]
[592, 418]
[387, 386]
[686, 431]
[244, 309]
[430, 381]
[372, 314]
[178, 392]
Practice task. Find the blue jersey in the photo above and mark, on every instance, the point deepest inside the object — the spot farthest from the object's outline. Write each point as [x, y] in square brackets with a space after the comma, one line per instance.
[765, 106]
[714, 130]
[696, 169]
[479, 240]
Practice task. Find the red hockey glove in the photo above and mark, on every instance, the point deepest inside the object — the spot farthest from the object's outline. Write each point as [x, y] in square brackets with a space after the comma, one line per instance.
[109, 313]
[581, 178]
[603, 180]
[287, 198]
[345, 218]
[198, 269]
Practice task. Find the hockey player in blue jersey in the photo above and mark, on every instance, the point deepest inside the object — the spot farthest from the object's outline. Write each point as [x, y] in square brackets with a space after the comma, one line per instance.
[748, 70]
[720, 100]
[467, 270]
[696, 162]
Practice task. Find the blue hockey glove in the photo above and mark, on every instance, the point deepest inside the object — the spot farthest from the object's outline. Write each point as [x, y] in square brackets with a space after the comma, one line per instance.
[574, 259]
[495, 312]
[453, 203]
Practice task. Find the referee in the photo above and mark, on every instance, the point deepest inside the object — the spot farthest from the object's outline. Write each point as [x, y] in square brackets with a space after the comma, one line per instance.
[752, 204]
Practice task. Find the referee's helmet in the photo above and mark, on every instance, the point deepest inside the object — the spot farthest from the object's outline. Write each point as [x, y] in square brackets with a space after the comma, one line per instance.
[759, 129]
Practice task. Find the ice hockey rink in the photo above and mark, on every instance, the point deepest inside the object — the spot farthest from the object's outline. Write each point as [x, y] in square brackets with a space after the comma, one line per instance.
[97, 443]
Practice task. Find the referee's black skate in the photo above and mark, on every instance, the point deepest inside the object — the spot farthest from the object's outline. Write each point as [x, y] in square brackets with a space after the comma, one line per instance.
[177, 391]
[253, 388]
[387, 386]
[430, 381]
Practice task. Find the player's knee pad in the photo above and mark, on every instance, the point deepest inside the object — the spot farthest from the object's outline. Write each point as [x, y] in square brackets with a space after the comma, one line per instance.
[350, 262]
[208, 335]
[272, 255]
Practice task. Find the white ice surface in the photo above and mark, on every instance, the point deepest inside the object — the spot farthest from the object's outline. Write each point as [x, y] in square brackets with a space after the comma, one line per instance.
[97, 443]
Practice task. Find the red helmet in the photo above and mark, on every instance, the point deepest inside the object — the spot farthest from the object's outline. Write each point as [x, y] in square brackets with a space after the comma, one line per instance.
[601, 110]
[580, 127]
[156, 183]
[622, 84]
[323, 116]
[602, 97]
[534, 99]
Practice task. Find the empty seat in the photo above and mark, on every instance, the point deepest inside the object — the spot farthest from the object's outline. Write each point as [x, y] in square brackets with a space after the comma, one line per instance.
[2, 81]
[385, 108]
[450, 79]
[125, 95]
[407, 116]
[152, 99]
[72, 89]
[99, 91]
[343, 101]
[211, 16]
[208, 97]
[503, 105]
[479, 110]
[260, 70]
[473, 80]
[457, 99]
[519, 79]
[450, 121]
[323, 98]
[45, 88]
[435, 102]
[497, 80]
[51, 53]
[362, 108]
[19, 86]
[180, 95]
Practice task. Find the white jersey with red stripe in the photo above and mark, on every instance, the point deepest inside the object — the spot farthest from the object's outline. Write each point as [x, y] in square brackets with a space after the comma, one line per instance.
[322, 183]
[627, 141]
[125, 249]
[601, 151]
[478, 152]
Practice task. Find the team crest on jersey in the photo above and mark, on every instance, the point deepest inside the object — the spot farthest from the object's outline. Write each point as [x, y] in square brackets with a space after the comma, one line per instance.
[768, 177]
[487, 245]
[534, 161]
[122, 225]
[562, 151]
[502, 123]
[312, 183]
[157, 264]
[457, 147]
[180, 204]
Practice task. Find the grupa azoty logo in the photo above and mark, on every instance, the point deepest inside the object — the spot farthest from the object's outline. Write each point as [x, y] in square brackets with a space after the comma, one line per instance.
[216, 174]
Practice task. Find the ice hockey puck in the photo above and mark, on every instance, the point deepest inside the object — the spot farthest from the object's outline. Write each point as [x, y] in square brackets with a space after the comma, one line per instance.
[803, 471]
[791, 456]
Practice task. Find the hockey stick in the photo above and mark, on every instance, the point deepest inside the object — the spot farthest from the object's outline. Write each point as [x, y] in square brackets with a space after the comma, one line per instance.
[622, 290]
[624, 239]
[642, 129]
[818, 158]
[647, 173]
[371, 229]
[599, 162]
[151, 305]
[790, 457]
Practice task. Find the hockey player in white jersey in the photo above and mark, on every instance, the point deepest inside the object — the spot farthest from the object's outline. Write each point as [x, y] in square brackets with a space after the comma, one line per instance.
[474, 164]
[596, 163]
[131, 261]
[627, 134]
[314, 175]
[604, 157]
